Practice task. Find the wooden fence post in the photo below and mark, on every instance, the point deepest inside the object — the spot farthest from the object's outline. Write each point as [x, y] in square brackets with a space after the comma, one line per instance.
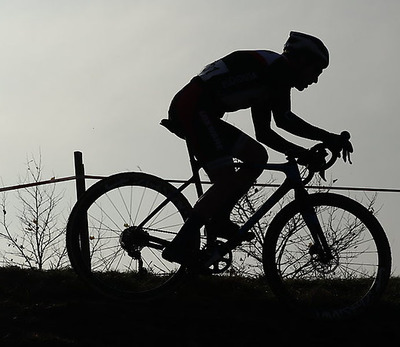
[80, 189]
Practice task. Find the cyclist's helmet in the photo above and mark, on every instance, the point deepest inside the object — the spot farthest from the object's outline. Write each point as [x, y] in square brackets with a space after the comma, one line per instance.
[312, 47]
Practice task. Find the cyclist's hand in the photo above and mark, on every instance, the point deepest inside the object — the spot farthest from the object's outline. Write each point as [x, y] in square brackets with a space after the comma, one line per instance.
[347, 146]
[340, 145]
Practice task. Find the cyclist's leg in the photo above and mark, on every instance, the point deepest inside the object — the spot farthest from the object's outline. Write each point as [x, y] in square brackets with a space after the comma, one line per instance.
[214, 142]
[230, 184]
[216, 147]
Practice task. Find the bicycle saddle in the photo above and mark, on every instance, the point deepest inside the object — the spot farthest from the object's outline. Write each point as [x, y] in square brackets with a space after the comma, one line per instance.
[173, 127]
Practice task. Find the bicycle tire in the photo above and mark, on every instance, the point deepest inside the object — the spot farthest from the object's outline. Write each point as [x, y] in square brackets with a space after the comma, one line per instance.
[348, 284]
[110, 207]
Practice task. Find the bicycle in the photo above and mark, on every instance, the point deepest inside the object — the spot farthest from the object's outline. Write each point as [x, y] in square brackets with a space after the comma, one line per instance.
[323, 253]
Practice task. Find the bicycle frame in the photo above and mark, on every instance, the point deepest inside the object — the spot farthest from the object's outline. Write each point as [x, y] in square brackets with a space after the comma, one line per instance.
[293, 181]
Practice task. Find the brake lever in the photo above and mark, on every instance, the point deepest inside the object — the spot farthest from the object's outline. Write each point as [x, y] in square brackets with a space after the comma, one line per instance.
[321, 150]
[322, 171]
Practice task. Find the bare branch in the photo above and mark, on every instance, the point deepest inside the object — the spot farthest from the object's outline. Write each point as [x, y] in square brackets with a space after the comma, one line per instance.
[38, 241]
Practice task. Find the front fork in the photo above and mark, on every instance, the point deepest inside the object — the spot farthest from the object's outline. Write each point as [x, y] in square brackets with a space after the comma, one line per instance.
[320, 246]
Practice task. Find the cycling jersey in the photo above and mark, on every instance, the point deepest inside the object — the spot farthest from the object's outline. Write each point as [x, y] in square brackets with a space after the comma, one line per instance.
[242, 78]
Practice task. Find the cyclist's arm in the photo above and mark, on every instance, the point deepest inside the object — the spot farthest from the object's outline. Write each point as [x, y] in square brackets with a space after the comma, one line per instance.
[297, 126]
[262, 125]
[285, 119]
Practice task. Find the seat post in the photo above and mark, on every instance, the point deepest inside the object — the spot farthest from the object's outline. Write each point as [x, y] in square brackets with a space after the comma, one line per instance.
[195, 166]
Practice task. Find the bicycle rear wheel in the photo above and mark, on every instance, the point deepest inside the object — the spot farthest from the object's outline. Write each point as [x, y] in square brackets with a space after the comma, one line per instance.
[350, 281]
[126, 219]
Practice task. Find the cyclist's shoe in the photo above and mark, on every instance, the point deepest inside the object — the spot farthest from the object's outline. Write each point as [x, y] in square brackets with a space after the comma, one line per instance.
[226, 229]
[184, 248]
[180, 255]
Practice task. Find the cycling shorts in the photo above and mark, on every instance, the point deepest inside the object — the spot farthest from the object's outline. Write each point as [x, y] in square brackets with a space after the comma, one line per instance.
[213, 141]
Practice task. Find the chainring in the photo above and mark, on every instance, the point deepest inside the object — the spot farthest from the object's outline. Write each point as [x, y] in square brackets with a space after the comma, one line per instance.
[221, 264]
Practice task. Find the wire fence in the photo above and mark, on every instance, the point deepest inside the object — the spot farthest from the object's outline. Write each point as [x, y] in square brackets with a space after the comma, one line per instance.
[178, 181]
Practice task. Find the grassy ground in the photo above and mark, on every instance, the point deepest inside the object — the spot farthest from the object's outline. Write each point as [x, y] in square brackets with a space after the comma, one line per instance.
[55, 309]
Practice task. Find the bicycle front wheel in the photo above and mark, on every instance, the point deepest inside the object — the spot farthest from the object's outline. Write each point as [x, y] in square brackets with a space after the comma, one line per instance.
[117, 231]
[350, 280]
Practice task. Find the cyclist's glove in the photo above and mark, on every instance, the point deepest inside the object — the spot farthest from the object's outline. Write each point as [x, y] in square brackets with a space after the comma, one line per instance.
[340, 144]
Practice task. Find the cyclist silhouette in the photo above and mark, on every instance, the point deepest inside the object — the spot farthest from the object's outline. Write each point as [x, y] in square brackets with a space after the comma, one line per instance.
[260, 80]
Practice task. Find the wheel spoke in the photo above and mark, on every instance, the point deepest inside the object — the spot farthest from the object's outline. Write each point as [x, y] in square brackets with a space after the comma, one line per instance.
[356, 269]
[123, 262]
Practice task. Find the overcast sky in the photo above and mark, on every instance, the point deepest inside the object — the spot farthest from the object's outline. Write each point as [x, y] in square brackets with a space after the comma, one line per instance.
[97, 76]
